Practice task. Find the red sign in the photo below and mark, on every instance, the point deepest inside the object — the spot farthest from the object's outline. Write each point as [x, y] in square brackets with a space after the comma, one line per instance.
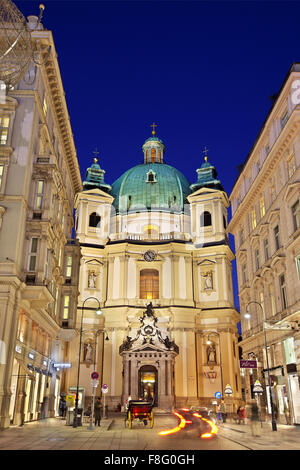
[246, 364]
[95, 375]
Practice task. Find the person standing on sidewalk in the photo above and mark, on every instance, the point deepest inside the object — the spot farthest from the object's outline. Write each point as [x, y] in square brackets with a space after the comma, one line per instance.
[254, 418]
[97, 411]
[223, 411]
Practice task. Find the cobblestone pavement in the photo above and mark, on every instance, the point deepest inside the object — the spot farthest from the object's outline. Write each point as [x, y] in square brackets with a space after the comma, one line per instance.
[53, 434]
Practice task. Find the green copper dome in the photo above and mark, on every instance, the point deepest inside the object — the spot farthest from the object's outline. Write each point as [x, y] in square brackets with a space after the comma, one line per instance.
[151, 186]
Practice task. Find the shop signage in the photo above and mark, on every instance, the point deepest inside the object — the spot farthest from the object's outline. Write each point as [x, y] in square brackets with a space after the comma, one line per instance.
[257, 387]
[248, 364]
[62, 365]
[228, 390]
[70, 400]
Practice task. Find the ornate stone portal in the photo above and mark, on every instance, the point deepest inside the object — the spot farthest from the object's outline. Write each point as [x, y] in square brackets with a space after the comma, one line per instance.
[148, 363]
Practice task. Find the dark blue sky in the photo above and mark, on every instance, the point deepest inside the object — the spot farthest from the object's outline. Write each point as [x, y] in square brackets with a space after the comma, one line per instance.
[203, 71]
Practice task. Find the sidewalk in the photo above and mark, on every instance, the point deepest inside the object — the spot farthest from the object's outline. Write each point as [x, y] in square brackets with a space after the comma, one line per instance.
[285, 438]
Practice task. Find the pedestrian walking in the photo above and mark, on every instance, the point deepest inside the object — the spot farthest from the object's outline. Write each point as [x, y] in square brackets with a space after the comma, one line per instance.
[97, 411]
[241, 412]
[254, 418]
[223, 411]
[219, 416]
[62, 407]
[286, 414]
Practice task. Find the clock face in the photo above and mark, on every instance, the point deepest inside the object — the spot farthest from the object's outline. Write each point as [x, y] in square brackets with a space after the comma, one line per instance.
[149, 255]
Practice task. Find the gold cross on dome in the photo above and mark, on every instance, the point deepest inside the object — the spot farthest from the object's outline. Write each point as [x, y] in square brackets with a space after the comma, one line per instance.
[205, 153]
[95, 152]
[153, 126]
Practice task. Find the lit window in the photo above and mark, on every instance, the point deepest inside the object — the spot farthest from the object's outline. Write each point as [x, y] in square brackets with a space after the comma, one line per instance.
[253, 218]
[33, 254]
[4, 124]
[153, 155]
[262, 206]
[1, 174]
[39, 194]
[66, 307]
[45, 107]
[149, 284]
[69, 266]
[291, 166]
[296, 215]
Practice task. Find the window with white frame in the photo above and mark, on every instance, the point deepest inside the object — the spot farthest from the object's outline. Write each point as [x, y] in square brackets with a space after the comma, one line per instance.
[39, 194]
[33, 254]
[47, 266]
[4, 125]
[69, 266]
[66, 307]
[296, 215]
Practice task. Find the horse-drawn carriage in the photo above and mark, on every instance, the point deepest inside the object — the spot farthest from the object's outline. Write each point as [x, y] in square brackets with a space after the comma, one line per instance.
[141, 411]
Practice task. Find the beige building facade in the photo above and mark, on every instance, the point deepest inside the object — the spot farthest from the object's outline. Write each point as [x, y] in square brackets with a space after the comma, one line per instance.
[156, 258]
[266, 226]
[39, 177]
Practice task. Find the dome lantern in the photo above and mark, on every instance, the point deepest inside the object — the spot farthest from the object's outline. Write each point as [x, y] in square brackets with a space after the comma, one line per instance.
[153, 148]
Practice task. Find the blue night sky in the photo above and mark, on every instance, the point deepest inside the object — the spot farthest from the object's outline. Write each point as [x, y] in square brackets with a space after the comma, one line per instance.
[202, 70]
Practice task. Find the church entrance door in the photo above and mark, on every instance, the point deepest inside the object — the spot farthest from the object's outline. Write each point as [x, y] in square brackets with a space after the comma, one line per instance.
[148, 383]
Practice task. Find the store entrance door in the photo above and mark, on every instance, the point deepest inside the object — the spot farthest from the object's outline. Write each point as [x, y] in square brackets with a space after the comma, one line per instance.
[148, 384]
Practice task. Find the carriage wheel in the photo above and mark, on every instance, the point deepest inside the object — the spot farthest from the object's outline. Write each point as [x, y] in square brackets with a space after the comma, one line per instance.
[129, 420]
[151, 420]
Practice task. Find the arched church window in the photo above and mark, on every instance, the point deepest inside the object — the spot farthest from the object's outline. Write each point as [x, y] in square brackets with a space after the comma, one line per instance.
[151, 177]
[149, 284]
[153, 155]
[205, 219]
[94, 220]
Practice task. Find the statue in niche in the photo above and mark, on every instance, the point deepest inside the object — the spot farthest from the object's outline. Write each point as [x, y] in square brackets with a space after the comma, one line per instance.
[211, 354]
[208, 283]
[92, 280]
[87, 352]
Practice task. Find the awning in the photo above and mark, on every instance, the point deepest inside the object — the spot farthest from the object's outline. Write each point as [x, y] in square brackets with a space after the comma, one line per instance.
[26, 370]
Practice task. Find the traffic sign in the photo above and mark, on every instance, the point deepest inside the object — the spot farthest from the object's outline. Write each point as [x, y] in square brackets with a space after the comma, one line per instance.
[95, 375]
[218, 394]
[95, 383]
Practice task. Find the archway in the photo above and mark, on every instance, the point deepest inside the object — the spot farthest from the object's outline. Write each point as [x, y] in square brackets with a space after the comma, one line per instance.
[148, 383]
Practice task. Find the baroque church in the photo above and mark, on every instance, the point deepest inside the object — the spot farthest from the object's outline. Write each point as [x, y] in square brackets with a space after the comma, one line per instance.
[155, 258]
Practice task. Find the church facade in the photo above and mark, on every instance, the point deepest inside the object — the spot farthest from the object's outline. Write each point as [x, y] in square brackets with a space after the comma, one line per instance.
[157, 261]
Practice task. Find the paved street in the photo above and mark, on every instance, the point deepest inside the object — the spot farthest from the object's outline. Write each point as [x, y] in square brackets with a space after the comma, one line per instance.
[53, 434]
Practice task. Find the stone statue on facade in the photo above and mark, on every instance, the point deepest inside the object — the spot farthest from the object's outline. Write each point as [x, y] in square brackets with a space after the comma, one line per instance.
[92, 280]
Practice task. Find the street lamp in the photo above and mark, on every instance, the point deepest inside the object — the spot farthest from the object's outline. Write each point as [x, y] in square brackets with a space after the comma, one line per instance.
[98, 312]
[247, 315]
